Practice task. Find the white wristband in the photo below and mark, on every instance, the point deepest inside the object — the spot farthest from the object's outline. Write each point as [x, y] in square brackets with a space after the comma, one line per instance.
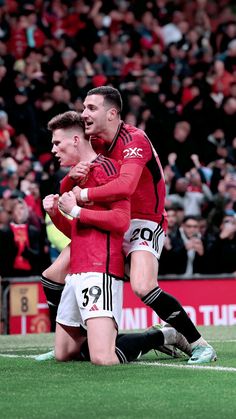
[75, 212]
[84, 195]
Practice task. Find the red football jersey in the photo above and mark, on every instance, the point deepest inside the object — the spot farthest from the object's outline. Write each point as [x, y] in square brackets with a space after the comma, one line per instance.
[97, 248]
[132, 147]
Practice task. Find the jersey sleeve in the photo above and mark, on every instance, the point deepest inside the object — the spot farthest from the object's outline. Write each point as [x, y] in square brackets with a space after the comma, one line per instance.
[67, 184]
[138, 151]
[119, 188]
[115, 219]
[135, 158]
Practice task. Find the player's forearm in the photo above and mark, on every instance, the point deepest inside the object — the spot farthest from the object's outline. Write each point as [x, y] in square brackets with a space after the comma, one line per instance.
[115, 220]
[119, 188]
[67, 184]
[62, 223]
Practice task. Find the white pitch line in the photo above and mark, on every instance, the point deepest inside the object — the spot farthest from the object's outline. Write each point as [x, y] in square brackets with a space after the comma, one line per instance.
[26, 348]
[195, 367]
[222, 341]
[17, 356]
[150, 364]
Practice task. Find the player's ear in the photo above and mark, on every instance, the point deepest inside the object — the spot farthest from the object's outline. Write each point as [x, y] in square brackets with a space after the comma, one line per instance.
[112, 114]
[76, 140]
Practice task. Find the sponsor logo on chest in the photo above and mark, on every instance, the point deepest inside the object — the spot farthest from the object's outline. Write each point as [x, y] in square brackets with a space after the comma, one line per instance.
[132, 152]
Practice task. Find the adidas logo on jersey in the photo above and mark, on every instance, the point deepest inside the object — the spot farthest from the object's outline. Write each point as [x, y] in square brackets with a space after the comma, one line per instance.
[94, 308]
[143, 243]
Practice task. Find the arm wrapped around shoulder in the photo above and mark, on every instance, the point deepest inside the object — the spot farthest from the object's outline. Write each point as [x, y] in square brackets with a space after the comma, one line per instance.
[115, 219]
[122, 187]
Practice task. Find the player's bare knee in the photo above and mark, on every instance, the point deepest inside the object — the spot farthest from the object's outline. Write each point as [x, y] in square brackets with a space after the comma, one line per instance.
[142, 287]
[102, 359]
[98, 359]
[61, 356]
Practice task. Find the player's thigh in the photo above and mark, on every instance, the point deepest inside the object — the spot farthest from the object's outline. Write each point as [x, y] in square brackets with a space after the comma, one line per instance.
[102, 333]
[143, 272]
[68, 341]
[60, 267]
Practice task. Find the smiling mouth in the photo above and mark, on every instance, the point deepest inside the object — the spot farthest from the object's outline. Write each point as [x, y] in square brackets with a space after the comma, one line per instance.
[88, 124]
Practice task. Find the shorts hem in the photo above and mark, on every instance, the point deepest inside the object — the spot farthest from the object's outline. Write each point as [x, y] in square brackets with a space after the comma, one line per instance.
[146, 250]
[94, 315]
[65, 323]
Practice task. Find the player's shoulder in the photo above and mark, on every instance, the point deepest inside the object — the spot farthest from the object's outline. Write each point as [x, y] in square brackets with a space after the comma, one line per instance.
[105, 168]
[130, 133]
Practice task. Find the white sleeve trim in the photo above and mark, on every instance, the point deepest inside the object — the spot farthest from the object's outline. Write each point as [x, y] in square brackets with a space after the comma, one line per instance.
[84, 195]
[75, 212]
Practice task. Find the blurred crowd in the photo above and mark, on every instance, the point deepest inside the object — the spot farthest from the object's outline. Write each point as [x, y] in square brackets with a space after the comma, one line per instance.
[174, 63]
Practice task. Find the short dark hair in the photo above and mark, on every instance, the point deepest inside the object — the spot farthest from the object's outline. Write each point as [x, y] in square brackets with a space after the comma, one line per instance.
[69, 119]
[190, 217]
[111, 96]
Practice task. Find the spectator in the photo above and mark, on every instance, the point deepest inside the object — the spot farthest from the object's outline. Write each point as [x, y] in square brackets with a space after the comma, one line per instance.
[191, 193]
[175, 65]
[171, 231]
[57, 240]
[24, 240]
[5, 131]
[221, 79]
[185, 253]
[22, 116]
[182, 146]
[227, 113]
[221, 254]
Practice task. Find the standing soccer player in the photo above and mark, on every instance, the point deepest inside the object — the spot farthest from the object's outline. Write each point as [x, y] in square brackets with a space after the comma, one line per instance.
[141, 178]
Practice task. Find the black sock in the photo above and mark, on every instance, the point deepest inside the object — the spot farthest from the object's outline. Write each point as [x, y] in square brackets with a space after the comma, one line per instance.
[132, 345]
[171, 311]
[52, 291]
[129, 346]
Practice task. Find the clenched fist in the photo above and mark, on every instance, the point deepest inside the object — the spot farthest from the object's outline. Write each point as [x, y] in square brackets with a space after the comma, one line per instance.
[50, 204]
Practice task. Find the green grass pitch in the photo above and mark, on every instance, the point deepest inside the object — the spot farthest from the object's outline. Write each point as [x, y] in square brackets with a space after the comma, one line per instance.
[153, 387]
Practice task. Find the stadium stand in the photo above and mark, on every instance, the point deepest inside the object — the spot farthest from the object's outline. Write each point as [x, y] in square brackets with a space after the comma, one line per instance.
[175, 65]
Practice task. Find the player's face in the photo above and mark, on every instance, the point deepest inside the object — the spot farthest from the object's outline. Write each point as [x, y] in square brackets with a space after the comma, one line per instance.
[63, 147]
[95, 115]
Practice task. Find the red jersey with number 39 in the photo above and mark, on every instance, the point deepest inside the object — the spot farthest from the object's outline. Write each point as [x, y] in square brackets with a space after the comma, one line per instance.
[97, 237]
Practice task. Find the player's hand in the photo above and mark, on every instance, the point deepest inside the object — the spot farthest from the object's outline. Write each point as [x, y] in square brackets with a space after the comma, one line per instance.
[77, 191]
[66, 202]
[50, 204]
[80, 172]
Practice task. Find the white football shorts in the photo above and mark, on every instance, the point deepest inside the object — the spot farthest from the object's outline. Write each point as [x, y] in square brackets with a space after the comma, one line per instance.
[89, 295]
[144, 235]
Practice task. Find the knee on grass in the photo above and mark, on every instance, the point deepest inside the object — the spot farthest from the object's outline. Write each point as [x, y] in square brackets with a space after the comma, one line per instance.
[64, 356]
[104, 359]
